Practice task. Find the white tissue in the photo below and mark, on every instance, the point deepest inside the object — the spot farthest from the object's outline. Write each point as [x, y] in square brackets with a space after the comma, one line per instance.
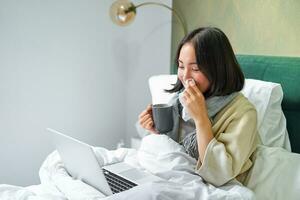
[185, 114]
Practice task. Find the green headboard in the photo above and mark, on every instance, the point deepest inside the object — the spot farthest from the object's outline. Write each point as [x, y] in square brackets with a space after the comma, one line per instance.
[283, 70]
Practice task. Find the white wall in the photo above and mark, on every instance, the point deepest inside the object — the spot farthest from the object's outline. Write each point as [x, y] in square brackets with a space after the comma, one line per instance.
[64, 65]
[150, 42]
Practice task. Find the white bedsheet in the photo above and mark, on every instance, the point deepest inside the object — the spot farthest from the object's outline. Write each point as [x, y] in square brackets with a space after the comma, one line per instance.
[165, 158]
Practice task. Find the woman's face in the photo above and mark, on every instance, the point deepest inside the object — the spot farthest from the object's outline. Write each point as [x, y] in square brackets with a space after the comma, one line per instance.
[188, 68]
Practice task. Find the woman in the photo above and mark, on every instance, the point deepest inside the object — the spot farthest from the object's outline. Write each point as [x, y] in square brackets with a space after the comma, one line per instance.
[215, 123]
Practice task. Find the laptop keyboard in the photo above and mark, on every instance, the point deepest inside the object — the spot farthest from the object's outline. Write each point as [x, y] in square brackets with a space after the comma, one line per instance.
[117, 183]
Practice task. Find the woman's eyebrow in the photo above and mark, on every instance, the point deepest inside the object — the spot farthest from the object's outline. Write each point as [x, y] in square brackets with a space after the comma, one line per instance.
[191, 63]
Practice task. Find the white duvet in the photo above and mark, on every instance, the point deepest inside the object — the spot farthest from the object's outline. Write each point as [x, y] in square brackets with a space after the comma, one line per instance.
[275, 175]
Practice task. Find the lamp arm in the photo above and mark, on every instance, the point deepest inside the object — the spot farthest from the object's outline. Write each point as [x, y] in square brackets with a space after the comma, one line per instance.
[169, 8]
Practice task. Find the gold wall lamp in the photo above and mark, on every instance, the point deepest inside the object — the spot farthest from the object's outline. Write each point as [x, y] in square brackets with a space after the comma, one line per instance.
[123, 12]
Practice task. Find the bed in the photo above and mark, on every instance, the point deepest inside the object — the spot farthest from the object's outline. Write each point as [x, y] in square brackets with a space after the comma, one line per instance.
[275, 173]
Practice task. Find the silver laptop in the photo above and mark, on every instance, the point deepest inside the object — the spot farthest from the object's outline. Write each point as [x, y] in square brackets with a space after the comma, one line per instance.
[81, 163]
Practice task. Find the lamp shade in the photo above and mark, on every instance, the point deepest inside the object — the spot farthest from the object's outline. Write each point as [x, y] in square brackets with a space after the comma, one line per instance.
[122, 12]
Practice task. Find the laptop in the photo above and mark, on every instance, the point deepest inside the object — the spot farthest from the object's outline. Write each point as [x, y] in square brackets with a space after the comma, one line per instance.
[81, 163]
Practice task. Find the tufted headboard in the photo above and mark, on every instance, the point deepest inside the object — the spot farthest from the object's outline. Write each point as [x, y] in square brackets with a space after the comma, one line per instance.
[283, 70]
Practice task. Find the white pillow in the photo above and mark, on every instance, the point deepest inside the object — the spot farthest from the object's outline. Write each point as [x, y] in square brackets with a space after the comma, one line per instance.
[158, 84]
[275, 174]
[265, 96]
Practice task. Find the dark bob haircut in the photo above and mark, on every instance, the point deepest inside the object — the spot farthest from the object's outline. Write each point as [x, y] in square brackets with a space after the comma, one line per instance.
[215, 59]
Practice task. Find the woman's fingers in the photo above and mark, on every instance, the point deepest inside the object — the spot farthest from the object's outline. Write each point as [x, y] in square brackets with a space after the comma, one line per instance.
[148, 124]
[149, 109]
[145, 118]
[143, 113]
[188, 96]
[146, 112]
[192, 92]
[146, 121]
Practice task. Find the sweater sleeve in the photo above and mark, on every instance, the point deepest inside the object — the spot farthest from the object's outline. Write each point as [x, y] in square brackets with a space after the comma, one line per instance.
[230, 151]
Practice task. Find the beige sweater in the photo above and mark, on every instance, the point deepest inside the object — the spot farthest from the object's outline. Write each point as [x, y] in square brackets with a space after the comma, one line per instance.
[228, 155]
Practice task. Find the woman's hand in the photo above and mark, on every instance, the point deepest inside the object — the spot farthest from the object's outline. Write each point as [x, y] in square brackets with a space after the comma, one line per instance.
[146, 119]
[194, 101]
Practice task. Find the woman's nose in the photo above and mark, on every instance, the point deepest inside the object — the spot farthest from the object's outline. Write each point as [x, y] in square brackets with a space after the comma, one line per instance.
[186, 75]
